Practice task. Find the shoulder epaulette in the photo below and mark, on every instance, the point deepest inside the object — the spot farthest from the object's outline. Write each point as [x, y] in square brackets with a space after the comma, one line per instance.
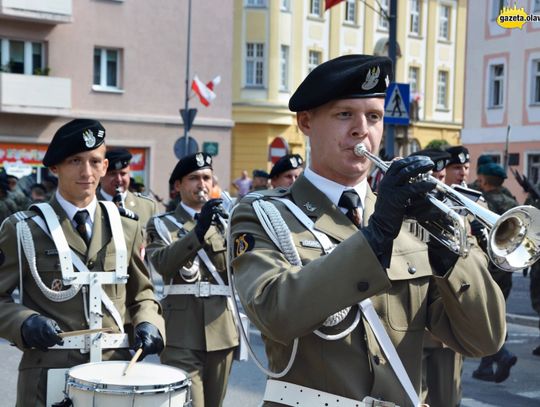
[139, 195]
[265, 194]
[127, 213]
[22, 215]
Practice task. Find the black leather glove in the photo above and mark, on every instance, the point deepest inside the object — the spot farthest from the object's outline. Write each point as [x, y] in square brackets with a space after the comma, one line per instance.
[148, 338]
[395, 195]
[40, 332]
[441, 258]
[209, 211]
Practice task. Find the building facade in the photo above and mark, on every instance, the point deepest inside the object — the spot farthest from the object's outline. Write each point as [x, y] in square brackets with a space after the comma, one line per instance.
[502, 97]
[120, 62]
[277, 42]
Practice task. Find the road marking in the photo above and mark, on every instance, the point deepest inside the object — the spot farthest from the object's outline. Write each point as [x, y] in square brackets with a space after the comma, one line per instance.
[530, 394]
[474, 403]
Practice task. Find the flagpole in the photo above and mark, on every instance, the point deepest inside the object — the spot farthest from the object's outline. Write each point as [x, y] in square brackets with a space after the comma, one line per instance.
[187, 78]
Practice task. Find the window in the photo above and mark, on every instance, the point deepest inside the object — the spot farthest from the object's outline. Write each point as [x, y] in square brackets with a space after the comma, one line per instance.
[315, 7]
[284, 67]
[255, 3]
[350, 11]
[496, 8]
[254, 64]
[442, 90]
[383, 12]
[414, 22]
[536, 6]
[314, 59]
[285, 5]
[444, 22]
[107, 68]
[496, 88]
[536, 81]
[414, 73]
[22, 57]
[533, 168]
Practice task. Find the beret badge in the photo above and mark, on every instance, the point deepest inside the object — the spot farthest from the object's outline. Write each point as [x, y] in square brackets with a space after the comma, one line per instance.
[89, 139]
[372, 78]
[200, 159]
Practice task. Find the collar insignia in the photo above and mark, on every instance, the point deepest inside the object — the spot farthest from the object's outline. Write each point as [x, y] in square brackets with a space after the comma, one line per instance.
[310, 207]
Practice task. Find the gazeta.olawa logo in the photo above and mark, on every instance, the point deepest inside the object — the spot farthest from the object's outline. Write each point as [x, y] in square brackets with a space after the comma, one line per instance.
[515, 17]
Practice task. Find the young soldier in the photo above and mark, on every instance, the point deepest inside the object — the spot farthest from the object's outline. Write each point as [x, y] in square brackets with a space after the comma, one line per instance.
[353, 304]
[286, 170]
[187, 248]
[48, 305]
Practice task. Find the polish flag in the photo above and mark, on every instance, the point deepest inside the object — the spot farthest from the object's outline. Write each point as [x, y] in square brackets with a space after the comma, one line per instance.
[205, 91]
[330, 3]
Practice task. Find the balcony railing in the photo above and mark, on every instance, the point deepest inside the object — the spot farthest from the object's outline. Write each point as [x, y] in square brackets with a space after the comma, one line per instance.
[43, 11]
[33, 94]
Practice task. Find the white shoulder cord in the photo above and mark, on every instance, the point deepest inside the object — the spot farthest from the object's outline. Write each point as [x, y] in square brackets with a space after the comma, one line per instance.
[274, 375]
[281, 230]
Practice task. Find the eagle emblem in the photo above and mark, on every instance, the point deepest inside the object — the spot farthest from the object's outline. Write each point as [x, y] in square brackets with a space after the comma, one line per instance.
[89, 139]
[372, 78]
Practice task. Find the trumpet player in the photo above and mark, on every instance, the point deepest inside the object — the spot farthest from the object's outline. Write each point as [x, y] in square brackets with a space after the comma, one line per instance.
[340, 291]
[457, 169]
[187, 248]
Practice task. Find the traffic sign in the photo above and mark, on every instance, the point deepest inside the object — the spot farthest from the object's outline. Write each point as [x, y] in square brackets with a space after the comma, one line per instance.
[188, 116]
[180, 147]
[277, 149]
[210, 147]
[396, 104]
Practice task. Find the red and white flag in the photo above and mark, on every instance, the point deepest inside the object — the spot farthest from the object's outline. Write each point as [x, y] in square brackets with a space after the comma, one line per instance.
[205, 91]
[330, 3]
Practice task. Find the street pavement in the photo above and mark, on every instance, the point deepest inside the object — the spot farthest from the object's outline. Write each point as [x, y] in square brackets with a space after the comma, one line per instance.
[246, 386]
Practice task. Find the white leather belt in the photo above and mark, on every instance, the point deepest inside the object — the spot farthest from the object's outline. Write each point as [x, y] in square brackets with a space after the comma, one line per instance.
[198, 289]
[82, 342]
[295, 395]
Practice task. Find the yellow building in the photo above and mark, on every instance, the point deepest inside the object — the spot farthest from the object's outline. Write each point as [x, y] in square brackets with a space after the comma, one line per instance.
[277, 42]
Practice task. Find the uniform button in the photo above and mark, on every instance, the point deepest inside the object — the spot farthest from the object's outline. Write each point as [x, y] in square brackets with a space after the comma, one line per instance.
[412, 269]
[90, 265]
[376, 359]
[464, 287]
[362, 286]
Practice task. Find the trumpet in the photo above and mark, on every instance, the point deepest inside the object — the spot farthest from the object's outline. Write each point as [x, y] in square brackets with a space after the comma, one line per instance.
[514, 236]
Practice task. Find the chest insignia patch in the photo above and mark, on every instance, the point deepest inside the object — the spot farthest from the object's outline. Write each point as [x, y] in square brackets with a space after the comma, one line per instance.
[243, 243]
[309, 207]
[311, 243]
[57, 285]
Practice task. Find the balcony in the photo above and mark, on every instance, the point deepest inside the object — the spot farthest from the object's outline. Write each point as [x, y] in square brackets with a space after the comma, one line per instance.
[48, 12]
[30, 94]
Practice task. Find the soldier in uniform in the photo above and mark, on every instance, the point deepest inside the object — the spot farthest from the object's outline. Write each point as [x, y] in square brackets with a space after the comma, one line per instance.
[187, 247]
[321, 291]
[46, 308]
[260, 180]
[7, 206]
[457, 170]
[16, 194]
[286, 170]
[114, 186]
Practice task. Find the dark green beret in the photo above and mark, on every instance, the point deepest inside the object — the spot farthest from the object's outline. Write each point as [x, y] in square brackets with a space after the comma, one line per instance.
[345, 77]
[493, 169]
[260, 173]
[439, 157]
[484, 159]
[459, 155]
[77, 136]
[190, 163]
[118, 158]
[286, 163]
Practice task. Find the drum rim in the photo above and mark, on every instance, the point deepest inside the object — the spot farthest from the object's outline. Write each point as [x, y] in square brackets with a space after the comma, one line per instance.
[87, 385]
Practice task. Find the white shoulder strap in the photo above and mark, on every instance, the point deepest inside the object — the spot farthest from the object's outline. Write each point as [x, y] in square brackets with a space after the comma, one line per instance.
[118, 238]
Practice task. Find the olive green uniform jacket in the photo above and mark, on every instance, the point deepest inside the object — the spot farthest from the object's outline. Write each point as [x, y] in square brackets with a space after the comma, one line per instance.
[465, 308]
[205, 324]
[143, 206]
[135, 298]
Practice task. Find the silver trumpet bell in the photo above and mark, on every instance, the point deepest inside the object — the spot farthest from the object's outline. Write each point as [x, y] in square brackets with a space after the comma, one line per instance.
[514, 236]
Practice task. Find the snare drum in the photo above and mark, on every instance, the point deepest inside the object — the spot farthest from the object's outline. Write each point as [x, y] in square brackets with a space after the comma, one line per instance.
[102, 384]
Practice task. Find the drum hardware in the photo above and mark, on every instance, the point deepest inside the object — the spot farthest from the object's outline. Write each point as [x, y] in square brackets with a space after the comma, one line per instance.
[86, 332]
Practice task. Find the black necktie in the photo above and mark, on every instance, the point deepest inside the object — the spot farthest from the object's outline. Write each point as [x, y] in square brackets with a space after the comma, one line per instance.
[80, 219]
[351, 201]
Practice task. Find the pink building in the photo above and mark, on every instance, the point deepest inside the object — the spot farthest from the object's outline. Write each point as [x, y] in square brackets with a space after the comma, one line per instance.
[121, 62]
[502, 89]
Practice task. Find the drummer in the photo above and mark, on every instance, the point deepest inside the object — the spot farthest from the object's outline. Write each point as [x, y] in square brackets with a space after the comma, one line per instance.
[47, 308]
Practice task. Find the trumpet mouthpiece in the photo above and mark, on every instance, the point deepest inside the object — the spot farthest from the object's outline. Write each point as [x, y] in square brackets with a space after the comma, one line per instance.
[360, 150]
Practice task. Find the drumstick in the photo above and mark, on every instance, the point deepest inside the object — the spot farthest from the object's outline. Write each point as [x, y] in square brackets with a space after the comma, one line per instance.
[132, 361]
[85, 332]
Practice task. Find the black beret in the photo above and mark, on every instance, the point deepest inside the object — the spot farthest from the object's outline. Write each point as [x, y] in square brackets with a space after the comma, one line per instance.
[190, 163]
[493, 169]
[286, 163]
[345, 77]
[439, 157]
[261, 174]
[459, 155]
[118, 158]
[77, 136]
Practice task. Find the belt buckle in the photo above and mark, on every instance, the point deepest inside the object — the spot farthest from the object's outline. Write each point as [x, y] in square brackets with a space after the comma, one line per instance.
[373, 402]
[204, 289]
